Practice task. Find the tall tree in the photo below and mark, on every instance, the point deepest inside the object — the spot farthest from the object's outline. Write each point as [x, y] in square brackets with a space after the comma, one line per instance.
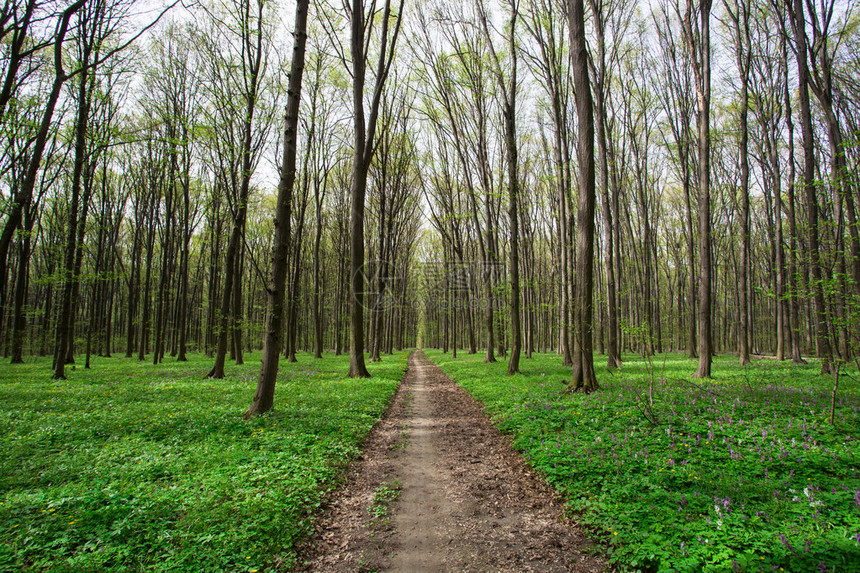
[24, 194]
[264, 395]
[739, 15]
[551, 66]
[249, 23]
[697, 36]
[616, 13]
[361, 29]
[822, 52]
[583, 360]
[508, 91]
[91, 24]
[798, 22]
[677, 101]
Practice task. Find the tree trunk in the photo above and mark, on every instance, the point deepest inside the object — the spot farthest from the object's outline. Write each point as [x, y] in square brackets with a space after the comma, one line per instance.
[21, 288]
[821, 322]
[700, 53]
[133, 286]
[65, 318]
[265, 393]
[583, 376]
[740, 19]
[362, 155]
[182, 302]
[166, 240]
[318, 287]
[237, 318]
[513, 215]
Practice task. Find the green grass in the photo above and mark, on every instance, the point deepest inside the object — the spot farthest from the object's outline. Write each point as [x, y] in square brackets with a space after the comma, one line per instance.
[742, 472]
[135, 467]
[383, 497]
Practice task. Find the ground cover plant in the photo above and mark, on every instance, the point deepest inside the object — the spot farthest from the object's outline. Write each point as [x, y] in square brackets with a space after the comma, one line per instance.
[135, 467]
[742, 472]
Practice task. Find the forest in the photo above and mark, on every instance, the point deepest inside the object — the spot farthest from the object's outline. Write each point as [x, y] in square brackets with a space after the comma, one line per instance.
[600, 185]
[701, 200]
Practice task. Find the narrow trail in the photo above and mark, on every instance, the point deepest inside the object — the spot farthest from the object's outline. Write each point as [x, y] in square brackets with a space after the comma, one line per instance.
[467, 501]
[425, 519]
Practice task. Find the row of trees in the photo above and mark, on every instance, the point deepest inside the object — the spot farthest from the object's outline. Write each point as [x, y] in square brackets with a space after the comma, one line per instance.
[150, 224]
[508, 176]
[719, 227]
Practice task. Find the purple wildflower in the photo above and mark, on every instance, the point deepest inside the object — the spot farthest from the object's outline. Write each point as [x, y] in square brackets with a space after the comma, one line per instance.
[785, 542]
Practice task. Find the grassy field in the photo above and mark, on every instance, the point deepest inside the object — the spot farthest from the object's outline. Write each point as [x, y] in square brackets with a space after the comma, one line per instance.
[742, 472]
[135, 467]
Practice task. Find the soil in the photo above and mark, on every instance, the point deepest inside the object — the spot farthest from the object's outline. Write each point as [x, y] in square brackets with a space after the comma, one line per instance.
[463, 500]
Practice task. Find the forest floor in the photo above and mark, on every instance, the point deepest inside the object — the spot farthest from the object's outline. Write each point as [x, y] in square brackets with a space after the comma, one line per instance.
[130, 466]
[740, 472]
[141, 467]
[439, 488]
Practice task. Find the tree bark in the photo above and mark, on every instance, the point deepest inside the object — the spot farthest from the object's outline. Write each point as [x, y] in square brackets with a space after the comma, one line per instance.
[275, 293]
[21, 288]
[362, 155]
[65, 317]
[810, 188]
[583, 376]
[700, 54]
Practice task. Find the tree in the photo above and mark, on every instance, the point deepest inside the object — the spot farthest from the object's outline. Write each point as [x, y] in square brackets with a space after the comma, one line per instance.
[798, 23]
[551, 66]
[583, 361]
[323, 163]
[94, 25]
[509, 108]
[616, 12]
[393, 173]
[638, 119]
[822, 50]
[739, 14]
[364, 148]
[676, 97]
[25, 192]
[248, 22]
[698, 40]
[276, 291]
[794, 304]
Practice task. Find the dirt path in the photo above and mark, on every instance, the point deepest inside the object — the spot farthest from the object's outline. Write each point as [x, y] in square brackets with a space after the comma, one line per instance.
[466, 501]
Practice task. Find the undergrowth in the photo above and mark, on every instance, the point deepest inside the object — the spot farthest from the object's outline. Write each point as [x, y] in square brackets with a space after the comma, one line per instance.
[135, 467]
[739, 473]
